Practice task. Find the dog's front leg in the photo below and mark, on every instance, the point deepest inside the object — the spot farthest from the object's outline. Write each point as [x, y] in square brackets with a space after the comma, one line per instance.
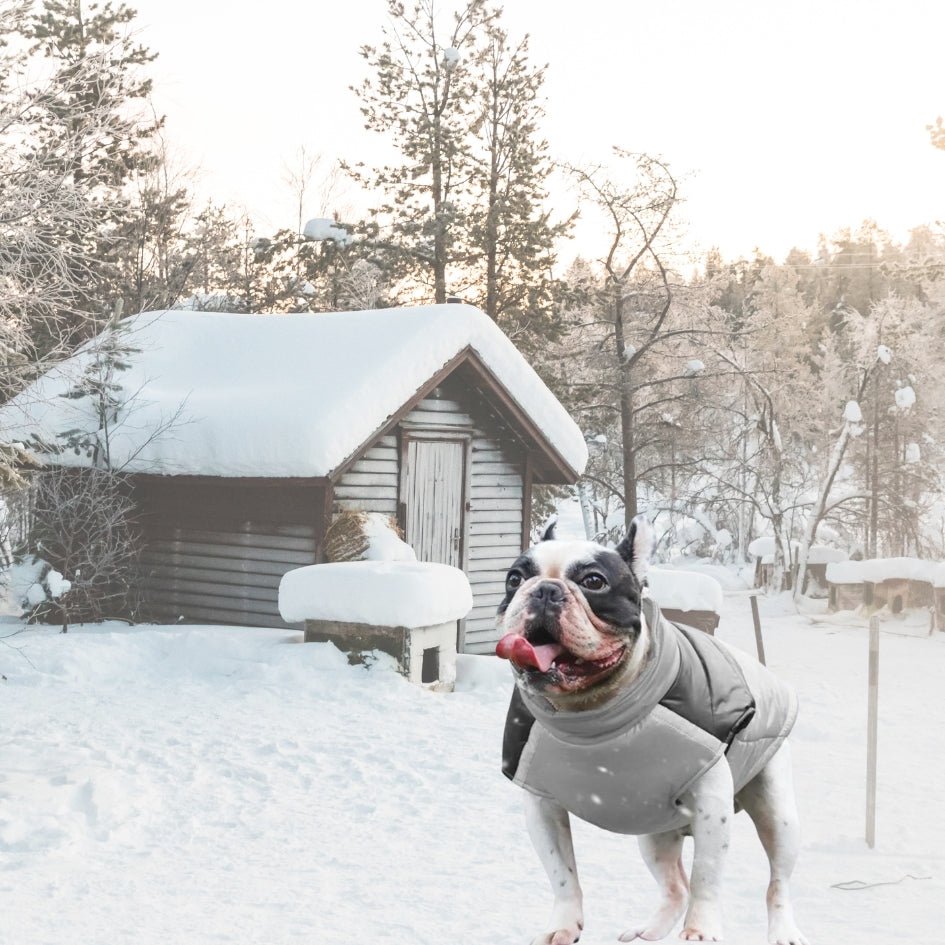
[550, 829]
[711, 803]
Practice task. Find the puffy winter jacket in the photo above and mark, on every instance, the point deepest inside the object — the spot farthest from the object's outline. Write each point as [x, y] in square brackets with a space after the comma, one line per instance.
[624, 766]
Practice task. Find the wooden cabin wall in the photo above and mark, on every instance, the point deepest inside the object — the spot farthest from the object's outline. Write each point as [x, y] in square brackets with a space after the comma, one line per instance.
[494, 505]
[215, 552]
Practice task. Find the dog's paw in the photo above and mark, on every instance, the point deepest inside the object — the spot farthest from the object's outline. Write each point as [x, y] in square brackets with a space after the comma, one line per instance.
[645, 932]
[691, 934]
[786, 933]
[559, 937]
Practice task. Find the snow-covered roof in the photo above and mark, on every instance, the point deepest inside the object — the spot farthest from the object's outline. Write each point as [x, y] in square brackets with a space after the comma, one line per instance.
[876, 570]
[685, 590]
[279, 395]
[939, 575]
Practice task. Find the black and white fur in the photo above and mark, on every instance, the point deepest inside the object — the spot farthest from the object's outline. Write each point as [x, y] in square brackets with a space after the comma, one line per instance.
[608, 616]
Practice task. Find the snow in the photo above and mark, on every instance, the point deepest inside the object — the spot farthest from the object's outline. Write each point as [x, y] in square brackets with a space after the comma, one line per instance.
[57, 584]
[224, 786]
[379, 593]
[938, 576]
[823, 554]
[19, 580]
[905, 398]
[383, 542]
[279, 395]
[852, 412]
[321, 228]
[685, 590]
[695, 366]
[761, 547]
[875, 570]
[884, 354]
[913, 453]
[450, 56]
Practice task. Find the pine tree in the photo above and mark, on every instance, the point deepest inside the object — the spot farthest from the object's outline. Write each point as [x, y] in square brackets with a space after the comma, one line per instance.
[95, 128]
[421, 90]
[512, 238]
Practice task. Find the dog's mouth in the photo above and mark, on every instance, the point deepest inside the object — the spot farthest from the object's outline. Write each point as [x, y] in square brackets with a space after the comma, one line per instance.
[553, 660]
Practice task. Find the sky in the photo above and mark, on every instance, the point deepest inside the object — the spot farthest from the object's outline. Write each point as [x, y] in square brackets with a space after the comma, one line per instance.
[785, 120]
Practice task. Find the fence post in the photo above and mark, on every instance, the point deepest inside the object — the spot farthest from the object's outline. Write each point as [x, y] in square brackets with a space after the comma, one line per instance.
[872, 718]
[756, 619]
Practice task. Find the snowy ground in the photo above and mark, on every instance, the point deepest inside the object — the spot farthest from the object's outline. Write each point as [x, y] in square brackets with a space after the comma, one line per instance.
[212, 785]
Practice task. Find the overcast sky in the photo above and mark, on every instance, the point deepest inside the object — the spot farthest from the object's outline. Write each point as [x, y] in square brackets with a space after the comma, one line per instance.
[789, 118]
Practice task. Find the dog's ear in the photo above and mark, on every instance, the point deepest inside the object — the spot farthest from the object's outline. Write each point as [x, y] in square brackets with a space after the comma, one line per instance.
[549, 531]
[637, 547]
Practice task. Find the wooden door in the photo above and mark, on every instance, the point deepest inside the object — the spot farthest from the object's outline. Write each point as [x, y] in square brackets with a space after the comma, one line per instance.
[432, 493]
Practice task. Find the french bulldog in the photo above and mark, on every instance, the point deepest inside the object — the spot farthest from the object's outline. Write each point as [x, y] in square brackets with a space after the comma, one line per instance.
[641, 727]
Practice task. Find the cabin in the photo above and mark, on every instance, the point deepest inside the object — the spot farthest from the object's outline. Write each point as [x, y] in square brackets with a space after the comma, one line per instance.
[243, 436]
[896, 584]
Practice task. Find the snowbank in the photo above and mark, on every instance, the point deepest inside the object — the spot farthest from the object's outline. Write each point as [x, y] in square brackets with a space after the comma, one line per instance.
[277, 395]
[685, 590]
[380, 593]
[876, 570]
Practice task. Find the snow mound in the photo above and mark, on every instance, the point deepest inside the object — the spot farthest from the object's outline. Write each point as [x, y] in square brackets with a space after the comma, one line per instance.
[824, 554]
[761, 546]
[685, 590]
[379, 593]
[876, 570]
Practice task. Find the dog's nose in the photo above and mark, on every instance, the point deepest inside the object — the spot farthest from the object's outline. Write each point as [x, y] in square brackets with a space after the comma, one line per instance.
[548, 592]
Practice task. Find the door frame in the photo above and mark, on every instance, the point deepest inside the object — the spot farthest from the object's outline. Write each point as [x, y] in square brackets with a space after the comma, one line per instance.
[463, 435]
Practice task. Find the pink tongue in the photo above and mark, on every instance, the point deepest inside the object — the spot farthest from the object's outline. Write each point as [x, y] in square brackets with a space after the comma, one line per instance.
[514, 647]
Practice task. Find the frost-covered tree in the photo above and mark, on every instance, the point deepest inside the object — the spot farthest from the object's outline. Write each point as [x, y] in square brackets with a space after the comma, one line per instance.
[420, 93]
[512, 238]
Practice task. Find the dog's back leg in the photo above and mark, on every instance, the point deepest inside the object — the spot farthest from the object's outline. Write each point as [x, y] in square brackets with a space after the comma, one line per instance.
[549, 827]
[662, 853]
[769, 800]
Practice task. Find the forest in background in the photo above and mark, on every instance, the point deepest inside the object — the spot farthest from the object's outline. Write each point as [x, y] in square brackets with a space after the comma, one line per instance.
[725, 398]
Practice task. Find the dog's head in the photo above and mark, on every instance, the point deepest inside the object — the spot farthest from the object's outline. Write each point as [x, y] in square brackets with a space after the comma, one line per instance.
[571, 615]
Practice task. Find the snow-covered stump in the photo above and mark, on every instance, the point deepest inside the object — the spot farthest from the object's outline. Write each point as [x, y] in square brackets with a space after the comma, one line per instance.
[407, 609]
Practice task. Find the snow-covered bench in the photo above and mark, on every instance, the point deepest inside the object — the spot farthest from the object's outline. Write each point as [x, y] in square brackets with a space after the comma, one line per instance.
[408, 609]
[687, 597]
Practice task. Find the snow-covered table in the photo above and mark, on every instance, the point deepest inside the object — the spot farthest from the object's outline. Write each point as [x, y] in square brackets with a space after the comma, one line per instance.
[687, 597]
[408, 609]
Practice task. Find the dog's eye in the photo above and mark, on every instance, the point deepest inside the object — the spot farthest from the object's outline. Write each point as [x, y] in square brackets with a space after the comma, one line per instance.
[513, 581]
[593, 582]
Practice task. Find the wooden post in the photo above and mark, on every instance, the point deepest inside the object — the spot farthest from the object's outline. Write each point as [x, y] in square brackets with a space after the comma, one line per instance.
[756, 619]
[871, 732]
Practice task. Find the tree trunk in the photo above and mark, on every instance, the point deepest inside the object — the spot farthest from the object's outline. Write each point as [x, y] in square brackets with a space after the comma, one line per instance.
[626, 413]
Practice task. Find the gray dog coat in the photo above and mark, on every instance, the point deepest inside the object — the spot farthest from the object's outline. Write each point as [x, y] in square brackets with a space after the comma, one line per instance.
[625, 766]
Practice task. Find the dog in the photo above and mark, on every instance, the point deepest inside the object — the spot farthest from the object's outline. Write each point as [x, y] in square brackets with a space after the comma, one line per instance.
[640, 727]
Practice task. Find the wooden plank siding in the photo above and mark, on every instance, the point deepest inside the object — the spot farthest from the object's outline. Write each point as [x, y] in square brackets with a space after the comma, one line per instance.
[493, 531]
[216, 552]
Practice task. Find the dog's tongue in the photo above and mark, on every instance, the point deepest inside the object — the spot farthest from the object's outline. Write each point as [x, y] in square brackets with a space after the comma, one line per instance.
[514, 647]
